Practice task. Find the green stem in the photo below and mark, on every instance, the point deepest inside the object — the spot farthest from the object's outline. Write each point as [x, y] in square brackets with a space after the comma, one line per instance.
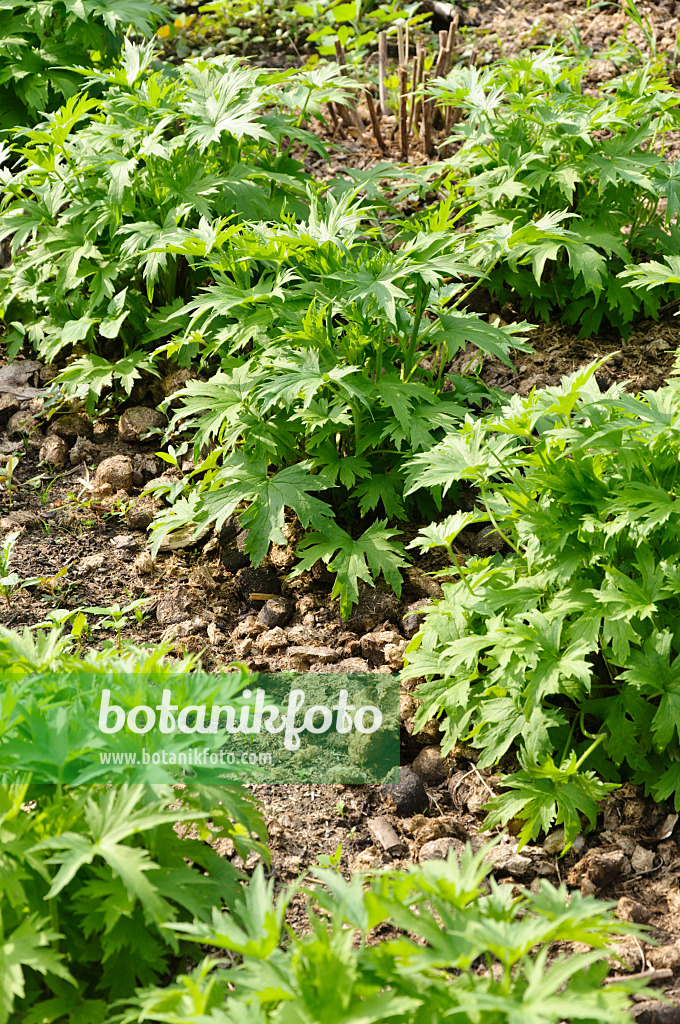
[589, 751]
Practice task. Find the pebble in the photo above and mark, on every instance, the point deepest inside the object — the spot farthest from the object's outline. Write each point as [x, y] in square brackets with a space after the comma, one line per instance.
[430, 766]
[277, 611]
[70, 427]
[53, 450]
[116, 471]
[439, 849]
[138, 421]
[408, 796]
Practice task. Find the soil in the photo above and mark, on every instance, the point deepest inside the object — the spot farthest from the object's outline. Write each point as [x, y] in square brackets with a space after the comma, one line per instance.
[84, 544]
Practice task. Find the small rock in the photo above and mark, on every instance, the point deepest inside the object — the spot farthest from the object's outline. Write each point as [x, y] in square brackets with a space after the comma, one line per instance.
[642, 859]
[431, 767]
[413, 617]
[407, 796]
[628, 909]
[439, 849]
[22, 423]
[554, 843]
[373, 645]
[488, 541]
[276, 612]
[144, 564]
[272, 640]
[116, 471]
[178, 604]
[139, 516]
[242, 648]
[9, 405]
[125, 542]
[138, 421]
[665, 956]
[54, 451]
[258, 580]
[422, 585]
[83, 451]
[70, 427]
[597, 869]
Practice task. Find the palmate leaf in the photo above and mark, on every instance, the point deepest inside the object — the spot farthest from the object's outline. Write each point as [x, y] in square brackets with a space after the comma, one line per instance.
[28, 946]
[247, 480]
[543, 794]
[353, 560]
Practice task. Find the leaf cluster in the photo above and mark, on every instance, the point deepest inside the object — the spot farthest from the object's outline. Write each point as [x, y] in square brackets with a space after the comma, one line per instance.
[581, 175]
[443, 928]
[573, 636]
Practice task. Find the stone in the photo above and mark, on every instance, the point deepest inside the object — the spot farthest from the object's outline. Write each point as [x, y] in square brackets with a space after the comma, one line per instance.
[373, 608]
[179, 604]
[642, 859]
[394, 655]
[83, 451]
[116, 471]
[70, 427]
[422, 585]
[22, 423]
[277, 611]
[272, 640]
[439, 849]
[628, 909]
[138, 421]
[413, 618]
[176, 380]
[215, 635]
[597, 869]
[373, 645]
[431, 767]
[408, 796]
[664, 957]
[53, 450]
[139, 515]
[258, 580]
[9, 405]
[350, 665]
[148, 466]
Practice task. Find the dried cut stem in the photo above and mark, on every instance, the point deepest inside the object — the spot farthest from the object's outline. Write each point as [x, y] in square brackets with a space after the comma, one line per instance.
[400, 44]
[403, 112]
[337, 127]
[427, 119]
[352, 114]
[417, 105]
[406, 44]
[382, 72]
[375, 121]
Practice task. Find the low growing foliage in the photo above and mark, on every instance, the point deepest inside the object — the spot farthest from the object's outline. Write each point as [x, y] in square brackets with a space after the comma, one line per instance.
[428, 972]
[91, 873]
[582, 173]
[568, 646]
[40, 44]
[105, 185]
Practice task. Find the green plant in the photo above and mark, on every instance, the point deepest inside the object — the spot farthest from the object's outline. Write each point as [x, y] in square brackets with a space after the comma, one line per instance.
[106, 186]
[92, 873]
[41, 44]
[457, 954]
[347, 343]
[7, 475]
[8, 580]
[117, 618]
[568, 646]
[579, 179]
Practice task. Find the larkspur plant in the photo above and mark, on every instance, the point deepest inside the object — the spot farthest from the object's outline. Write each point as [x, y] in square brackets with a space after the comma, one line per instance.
[42, 42]
[581, 173]
[568, 646]
[343, 375]
[105, 184]
[91, 873]
[421, 976]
